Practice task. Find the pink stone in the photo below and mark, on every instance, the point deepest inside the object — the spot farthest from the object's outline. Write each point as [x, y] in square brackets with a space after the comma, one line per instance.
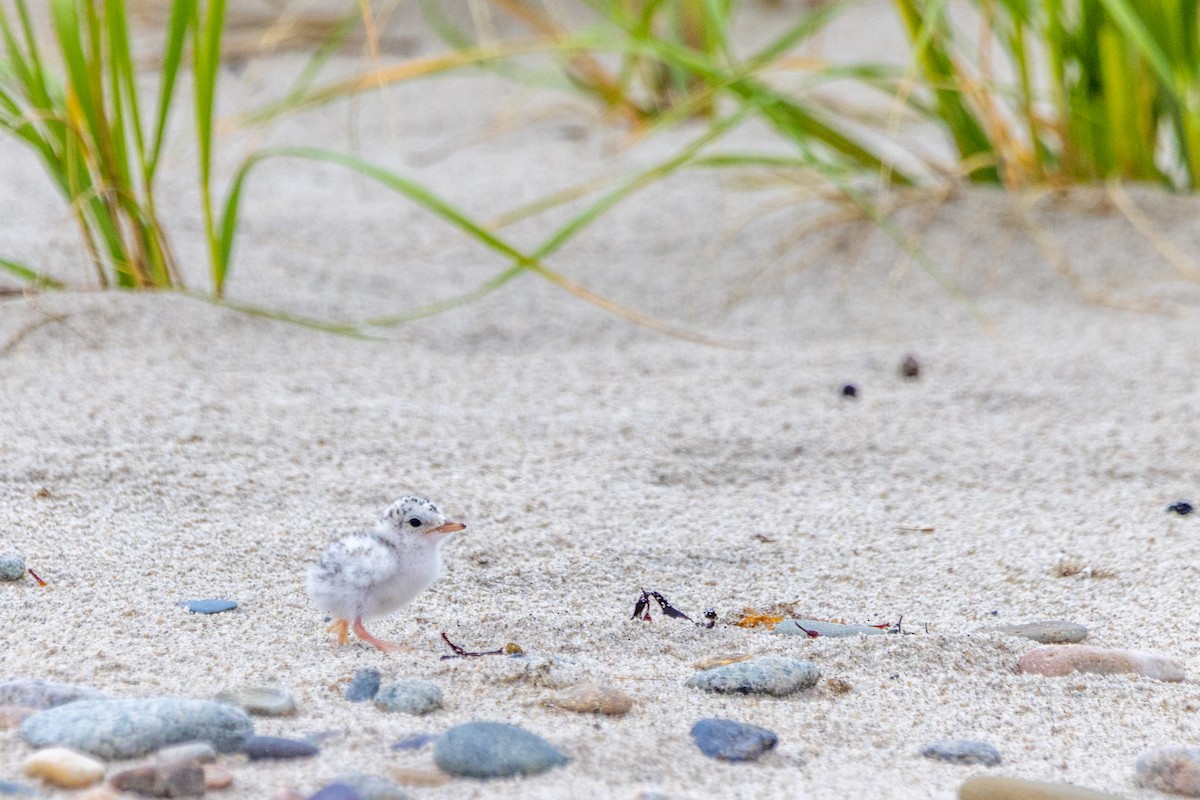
[1059, 660]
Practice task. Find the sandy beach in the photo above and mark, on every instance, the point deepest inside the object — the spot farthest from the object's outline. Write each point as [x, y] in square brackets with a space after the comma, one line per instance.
[156, 448]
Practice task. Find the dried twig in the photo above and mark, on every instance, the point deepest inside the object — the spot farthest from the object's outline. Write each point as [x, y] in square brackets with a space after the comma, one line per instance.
[509, 649]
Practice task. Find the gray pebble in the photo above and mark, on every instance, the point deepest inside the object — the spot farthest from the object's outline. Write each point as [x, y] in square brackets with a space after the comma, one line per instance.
[494, 750]
[372, 787]
[363, 685]
[117, 729]
[1174, 769]
[258, 748]
[181, 779]
[834, 630]
[414, 742]
[409, 697]
[732, 741]
[773, 675]
[1048, 631]
[12, 568]
[262, 701]
[44, 694]
[962, 751]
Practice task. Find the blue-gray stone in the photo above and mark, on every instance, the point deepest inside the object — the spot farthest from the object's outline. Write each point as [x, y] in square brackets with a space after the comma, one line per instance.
[17, 790]
[834, 630]
[962, 751]
[118, 729]
[12, 568]
[44, 694]
[409, 697]
[773, 675]
[372, 787]
[209, 606]
[337, 791]
[363, 685]
[494, 750]
[732, 741]
[258, 748]
[414, 742]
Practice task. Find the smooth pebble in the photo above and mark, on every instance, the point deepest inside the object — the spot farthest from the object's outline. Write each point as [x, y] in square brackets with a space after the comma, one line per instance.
[336, 791]
[372, 787]
[1051, 631]
[593, 698]
[774, 675]
[259, 748]
[63, 767]
[987, 787]
[212, 606]
[9, 789]
[1059, 660]
[834, 630]
[732, 741]
[409, 697]
[12, 568]
[199, 752]
[962, 751]
[116, 729]
[217, 776]
[494, 750]
[1174, 769]
[181, 779]
[41, 694]
[364, 685]
[261, 701]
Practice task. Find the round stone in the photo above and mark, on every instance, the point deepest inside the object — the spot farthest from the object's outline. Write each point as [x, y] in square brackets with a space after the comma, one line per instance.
[592, 698]
[732, 741]
[409, 697]
[117, 729]
[1059, 660]
[772, 675]
[962, 751]
[1174, 769]
[63, 767]
[262, 701]
[12, 568]
[494, 750]
[364, 685]
[372, 787]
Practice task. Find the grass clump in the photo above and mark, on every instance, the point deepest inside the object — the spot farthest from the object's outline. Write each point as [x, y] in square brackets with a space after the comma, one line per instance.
[1064, 91]
[88, 129]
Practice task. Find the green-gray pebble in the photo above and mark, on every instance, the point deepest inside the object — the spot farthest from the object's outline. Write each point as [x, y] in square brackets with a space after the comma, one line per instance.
[117, 729]
[494, 750]
[774, 675]
[409, 697]
[372, 787]
[12, 568]
[1052, 631]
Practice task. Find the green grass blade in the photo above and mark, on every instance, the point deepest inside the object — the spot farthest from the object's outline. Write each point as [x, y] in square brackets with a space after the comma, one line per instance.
[29, 275]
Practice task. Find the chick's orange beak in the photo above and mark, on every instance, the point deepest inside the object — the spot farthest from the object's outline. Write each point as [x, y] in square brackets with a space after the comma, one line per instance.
[449, 527]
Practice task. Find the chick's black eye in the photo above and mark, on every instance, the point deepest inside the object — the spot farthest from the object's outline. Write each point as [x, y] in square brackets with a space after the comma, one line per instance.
[416, 523]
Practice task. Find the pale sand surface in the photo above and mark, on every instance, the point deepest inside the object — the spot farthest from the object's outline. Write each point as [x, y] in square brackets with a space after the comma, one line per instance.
[190, 451]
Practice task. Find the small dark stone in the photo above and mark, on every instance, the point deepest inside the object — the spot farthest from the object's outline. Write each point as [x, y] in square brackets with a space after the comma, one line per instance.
[1182, 508]
[962, 751]
[849, 390]
[214, 606]
[337, 791]
[910, 368]
[732, 741]
[414, 742]
[364, 685]
[276, 747]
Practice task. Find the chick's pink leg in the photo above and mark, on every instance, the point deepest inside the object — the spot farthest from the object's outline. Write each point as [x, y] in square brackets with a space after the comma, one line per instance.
[362, 633]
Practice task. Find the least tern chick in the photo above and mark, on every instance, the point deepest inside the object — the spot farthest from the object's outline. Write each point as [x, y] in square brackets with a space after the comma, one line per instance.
[374, 572]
